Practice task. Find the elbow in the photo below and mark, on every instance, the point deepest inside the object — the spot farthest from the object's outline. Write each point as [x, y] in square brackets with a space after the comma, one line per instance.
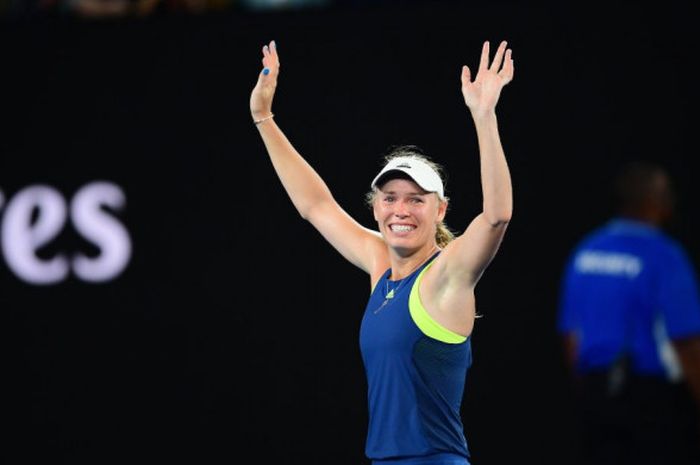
[313, 206]
[305, 209]
[307, 214]
[304, 213]
[309, 211]
[498, 211]
[500, 223]
[498, 218]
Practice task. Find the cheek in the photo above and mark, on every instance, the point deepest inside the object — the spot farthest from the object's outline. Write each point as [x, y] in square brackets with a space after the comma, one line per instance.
[429, 212]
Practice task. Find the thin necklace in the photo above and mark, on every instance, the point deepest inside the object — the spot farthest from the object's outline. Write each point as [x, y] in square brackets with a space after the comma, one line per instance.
[395, 291]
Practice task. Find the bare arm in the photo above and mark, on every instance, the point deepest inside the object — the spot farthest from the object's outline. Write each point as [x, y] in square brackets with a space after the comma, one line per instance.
[307, 190]
[689, 355]
[688, 351]
[448, 287]
[569, 343]
[467, 257]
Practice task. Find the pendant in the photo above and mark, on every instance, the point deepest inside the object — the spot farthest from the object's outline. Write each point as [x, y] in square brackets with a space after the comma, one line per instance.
[389, 295]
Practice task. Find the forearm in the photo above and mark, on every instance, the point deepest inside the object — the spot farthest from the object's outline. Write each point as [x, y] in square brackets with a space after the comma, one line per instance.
[302, 183]
[495, 175]
[689, 355]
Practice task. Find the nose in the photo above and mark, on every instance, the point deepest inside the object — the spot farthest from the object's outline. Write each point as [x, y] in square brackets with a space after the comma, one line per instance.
[401, 209]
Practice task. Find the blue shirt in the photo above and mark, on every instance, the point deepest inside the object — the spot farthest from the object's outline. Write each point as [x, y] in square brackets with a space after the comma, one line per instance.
[628, 288]
[415, 382]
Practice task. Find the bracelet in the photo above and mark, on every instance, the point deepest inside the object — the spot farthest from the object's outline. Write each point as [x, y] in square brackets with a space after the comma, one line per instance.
[258, 121]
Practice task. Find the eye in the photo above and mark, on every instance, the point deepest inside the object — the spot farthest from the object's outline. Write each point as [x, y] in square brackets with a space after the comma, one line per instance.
[416, 200]
[389, 198]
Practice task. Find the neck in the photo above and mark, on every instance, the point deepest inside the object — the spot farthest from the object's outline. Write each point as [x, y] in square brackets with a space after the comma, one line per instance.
[650, 217]
[404, 266]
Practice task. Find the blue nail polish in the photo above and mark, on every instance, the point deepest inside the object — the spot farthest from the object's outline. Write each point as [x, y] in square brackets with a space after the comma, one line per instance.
[266, 71]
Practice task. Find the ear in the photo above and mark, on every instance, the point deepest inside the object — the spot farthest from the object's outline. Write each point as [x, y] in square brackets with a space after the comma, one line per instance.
[442, 210]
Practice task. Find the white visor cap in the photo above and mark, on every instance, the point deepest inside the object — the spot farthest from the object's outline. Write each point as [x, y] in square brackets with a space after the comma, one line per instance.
[418, 170]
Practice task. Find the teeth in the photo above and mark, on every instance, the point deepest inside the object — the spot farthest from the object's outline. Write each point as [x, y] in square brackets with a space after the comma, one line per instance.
[401, 228]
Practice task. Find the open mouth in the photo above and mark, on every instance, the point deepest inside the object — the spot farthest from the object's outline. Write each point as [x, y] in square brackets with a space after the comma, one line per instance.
[401, 228]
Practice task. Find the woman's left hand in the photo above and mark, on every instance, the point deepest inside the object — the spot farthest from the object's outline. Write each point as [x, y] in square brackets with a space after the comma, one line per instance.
[481, 95]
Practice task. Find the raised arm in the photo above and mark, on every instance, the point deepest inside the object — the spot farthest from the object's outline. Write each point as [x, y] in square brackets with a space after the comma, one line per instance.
[466, 258]
[448, 287]
[308, 192]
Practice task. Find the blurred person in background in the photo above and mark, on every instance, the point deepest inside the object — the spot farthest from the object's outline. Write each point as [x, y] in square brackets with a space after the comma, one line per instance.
[629, 316]
[271, 5]
[415, 333]
[108, 9]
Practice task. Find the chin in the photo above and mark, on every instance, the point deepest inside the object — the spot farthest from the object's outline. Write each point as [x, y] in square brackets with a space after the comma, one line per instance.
[403, 244]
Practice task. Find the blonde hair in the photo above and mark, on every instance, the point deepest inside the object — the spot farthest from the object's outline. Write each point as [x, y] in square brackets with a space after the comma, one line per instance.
[443, 234]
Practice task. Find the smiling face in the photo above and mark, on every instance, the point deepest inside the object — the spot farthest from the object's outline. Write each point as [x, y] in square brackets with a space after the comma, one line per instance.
[407, 215]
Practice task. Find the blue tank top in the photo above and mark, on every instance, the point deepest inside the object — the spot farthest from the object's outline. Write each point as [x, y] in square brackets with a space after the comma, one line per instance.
[415, 381]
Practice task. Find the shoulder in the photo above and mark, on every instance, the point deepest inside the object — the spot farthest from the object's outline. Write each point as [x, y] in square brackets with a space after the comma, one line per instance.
[449, 304]
[671, 251]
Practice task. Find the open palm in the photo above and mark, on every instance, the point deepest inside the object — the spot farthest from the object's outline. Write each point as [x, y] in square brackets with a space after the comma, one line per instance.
[481, 95]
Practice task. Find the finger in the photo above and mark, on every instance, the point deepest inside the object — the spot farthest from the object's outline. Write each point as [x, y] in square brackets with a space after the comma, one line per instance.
[508, 67]
[269, 61]
[274, 58]
[273, 52]
[466, 76]
[484, 63]
[498, 58]
[266, 53]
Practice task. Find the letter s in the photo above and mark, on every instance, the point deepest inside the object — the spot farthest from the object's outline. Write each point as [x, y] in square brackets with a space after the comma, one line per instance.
[108, 234]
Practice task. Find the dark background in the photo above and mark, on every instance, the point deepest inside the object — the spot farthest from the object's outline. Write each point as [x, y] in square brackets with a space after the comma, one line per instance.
[232, 335]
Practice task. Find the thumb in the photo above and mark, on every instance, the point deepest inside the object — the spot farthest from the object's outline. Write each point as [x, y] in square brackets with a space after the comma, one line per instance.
[466, 75]
[263, 75]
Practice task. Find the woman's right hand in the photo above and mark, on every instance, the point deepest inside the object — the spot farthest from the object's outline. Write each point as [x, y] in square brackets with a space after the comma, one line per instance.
[264, 90]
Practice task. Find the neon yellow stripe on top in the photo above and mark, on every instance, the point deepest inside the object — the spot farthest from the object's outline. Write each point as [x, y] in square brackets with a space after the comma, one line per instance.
[425, 322]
